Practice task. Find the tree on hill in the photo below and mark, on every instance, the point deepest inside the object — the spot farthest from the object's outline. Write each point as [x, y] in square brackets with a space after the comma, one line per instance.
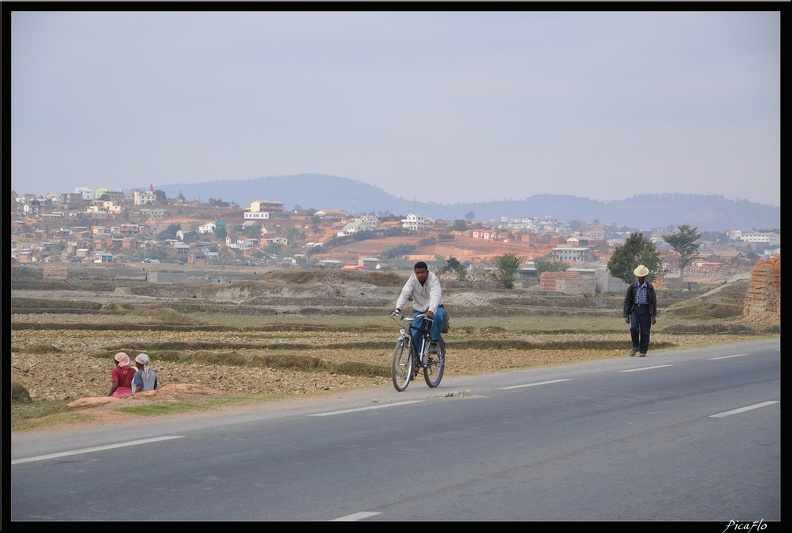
[459, 225]
[217, 202]
[190, 237]
[253, 231]
[169, 232]
[684, 243]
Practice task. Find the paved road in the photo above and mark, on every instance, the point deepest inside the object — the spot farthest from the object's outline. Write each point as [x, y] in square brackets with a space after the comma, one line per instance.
[688, 435]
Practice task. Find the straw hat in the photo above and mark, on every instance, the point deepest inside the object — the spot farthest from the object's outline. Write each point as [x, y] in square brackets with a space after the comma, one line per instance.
[641, 271]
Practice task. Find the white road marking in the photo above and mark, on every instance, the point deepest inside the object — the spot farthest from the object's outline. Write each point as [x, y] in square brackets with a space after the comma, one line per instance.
[644, 368]
[743, 409]
[533, 384]
[88, 450]
[355, 516]
[727, 356]
[365, 408]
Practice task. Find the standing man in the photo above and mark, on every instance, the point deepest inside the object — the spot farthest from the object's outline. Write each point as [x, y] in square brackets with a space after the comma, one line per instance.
[640, 311]
[423, 287]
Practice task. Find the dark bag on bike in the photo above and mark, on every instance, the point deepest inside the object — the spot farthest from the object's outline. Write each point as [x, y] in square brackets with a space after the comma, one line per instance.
[446, 325]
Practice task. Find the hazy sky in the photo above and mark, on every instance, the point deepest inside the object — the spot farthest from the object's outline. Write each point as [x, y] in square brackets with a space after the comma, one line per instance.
[445, 107]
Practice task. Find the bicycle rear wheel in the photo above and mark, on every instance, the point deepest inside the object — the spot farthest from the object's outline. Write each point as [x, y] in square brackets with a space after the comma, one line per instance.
[402, 364]
[435, 365]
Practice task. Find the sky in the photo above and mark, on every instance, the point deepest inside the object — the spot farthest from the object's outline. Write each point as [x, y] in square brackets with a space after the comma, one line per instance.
[441, 106]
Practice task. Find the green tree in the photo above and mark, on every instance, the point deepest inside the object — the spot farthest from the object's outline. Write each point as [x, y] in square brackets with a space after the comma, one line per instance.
[507, 266]
[293, 235]
[470, 216]
[273, 248]
[161, 196]
[453, 265]
[459, 225]
[684, 243]
[190, 237]
[217, 202]
[637, 250]
[169, 232]
[253, 231]
[544, 265]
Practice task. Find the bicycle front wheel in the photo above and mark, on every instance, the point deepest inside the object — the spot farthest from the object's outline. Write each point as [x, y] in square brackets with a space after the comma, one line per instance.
[433, 371]
[402, 364]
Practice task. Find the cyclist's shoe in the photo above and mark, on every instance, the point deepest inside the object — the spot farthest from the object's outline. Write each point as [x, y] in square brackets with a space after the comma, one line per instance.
[433, 347]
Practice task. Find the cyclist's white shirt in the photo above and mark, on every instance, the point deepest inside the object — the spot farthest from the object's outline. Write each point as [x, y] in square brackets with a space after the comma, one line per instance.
[425, 297]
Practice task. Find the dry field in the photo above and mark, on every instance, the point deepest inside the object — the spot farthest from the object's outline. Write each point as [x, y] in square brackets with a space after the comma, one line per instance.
[300, 336]
[67, 364]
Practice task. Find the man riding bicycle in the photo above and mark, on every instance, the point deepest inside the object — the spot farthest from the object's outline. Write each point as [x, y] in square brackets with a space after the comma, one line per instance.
[427, 295]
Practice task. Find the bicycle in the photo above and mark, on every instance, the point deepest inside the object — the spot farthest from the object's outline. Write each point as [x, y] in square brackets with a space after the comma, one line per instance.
[407, 360]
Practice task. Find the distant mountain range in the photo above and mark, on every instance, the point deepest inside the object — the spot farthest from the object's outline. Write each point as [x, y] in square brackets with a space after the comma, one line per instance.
[645, 211]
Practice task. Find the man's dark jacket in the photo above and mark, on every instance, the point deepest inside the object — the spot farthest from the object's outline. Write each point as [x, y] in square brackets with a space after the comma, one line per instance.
[629, 299]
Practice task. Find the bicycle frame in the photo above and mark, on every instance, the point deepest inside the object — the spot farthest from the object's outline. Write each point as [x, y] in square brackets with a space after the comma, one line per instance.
[408, 359]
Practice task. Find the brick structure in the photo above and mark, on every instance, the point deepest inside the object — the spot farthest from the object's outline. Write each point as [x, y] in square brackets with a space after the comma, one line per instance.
[548, 280]
[763, 300]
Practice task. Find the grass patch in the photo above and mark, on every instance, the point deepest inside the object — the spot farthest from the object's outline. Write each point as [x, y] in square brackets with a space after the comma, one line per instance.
[722, 327]
[156, 409]
[162, 314]
[43, 414]
[707, 310]
[355, 368]
[163, 408]
[49, 414]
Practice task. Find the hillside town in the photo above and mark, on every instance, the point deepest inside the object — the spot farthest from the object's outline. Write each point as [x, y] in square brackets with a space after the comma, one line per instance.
[109, 227]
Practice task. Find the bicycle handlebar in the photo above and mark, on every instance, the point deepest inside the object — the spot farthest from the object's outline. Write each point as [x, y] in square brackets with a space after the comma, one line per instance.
[396, 315]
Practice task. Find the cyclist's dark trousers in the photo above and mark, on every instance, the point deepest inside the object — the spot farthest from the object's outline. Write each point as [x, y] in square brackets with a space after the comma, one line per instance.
[640, 327]
[437, 327]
